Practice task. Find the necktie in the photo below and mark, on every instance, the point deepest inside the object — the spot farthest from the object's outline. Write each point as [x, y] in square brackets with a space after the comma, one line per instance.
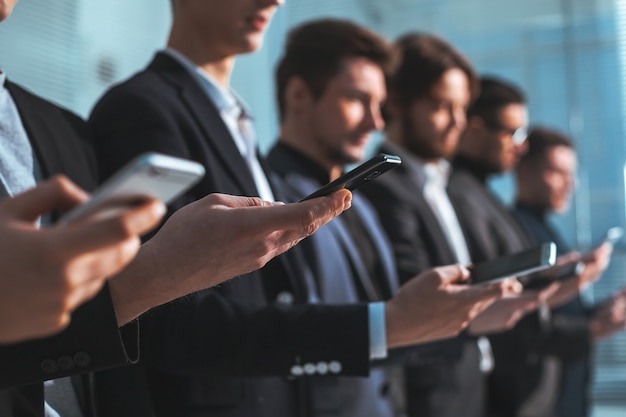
[16, 154]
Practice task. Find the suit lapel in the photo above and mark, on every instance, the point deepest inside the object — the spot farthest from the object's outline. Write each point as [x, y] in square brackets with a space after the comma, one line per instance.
[380, 241]
[55, 136]
[346, 241]
[440, 249]
[208, 118]
[39, 130]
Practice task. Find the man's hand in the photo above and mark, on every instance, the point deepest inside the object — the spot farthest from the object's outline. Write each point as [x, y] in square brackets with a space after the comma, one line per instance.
[47, 273]
[609, 318]
[595, 262]
[437, 305]
[506, 312]
[212, 240]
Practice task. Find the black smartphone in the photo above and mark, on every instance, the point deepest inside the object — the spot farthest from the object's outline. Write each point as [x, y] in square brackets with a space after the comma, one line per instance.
[518, 264]
[542, 279]
[360, 175]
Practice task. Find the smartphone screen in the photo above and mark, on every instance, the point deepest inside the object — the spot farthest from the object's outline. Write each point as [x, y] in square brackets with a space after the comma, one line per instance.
[360, 175]
[520, 263]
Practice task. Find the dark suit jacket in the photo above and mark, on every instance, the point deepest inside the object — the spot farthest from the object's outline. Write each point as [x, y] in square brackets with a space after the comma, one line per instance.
[92, 341]
[493, 232]
[341, 277]
[452, 385]
[569, 339]
[189, 347]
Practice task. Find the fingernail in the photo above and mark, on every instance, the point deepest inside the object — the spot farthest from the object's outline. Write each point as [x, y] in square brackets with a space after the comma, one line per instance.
[347, 202]
[160, 209]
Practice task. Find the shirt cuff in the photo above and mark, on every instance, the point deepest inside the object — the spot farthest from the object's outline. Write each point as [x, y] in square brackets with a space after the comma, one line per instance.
[378, 338]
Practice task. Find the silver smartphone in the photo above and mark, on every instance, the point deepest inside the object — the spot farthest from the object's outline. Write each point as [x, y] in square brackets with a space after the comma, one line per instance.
[521, 263]
[150, 175]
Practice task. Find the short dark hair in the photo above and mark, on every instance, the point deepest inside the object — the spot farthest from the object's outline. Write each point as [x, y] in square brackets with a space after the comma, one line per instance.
[495, 94]
[422, 61]
[316, 50]
[540, 140]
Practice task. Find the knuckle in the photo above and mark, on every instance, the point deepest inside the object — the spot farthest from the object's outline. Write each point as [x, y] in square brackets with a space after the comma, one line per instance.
[309, 221]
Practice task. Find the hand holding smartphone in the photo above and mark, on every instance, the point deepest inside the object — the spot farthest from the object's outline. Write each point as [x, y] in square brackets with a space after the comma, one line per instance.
[518, 264]
[360, 175]
[612, 236]
[545, 278]
[150, 175]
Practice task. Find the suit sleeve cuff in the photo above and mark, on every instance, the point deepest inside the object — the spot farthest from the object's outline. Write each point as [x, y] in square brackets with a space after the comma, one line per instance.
[377, 335]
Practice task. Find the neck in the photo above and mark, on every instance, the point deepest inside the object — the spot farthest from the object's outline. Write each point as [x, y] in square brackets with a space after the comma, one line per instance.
[295, 135]
[217, 64]
[536, 208]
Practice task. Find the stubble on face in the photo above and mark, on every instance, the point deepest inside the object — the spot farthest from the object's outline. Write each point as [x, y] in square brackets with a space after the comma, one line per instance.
[432, 125]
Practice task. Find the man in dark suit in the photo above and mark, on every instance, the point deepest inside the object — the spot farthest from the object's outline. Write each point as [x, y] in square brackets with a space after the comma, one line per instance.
[194, 350]
[492, 143]
[429, 91]
[325, 64]
[545, 178]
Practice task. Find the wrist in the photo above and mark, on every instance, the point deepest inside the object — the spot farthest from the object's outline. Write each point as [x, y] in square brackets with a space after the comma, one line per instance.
[136, 289]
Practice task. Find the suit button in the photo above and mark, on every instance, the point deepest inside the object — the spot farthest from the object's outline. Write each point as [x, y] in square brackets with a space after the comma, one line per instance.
[82, 359]
[65, 363]
[334, 367]
[49, 366]
[309, 369]
[285, 297]
[297, 370]
[322, 368]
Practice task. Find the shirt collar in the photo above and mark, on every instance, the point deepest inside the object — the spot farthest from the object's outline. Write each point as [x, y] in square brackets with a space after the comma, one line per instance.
[226, 100]
[439, 170]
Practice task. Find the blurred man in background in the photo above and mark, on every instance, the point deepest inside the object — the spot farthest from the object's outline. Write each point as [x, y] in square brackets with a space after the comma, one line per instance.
[492, 144]
[546, 178]
[429, 93]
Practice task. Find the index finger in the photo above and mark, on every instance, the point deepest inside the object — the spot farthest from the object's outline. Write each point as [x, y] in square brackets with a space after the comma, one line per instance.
[496, 289]
[454, 274]
[56, 193]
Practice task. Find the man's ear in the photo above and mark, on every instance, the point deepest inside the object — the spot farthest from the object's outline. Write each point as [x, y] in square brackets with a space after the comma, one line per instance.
[297, 94]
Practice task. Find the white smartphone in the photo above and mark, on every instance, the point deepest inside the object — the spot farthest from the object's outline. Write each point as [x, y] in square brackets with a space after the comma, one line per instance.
[150, 175]
[521, 263]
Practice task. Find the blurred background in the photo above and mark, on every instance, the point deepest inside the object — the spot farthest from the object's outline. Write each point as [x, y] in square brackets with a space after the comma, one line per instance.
[568, 55]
